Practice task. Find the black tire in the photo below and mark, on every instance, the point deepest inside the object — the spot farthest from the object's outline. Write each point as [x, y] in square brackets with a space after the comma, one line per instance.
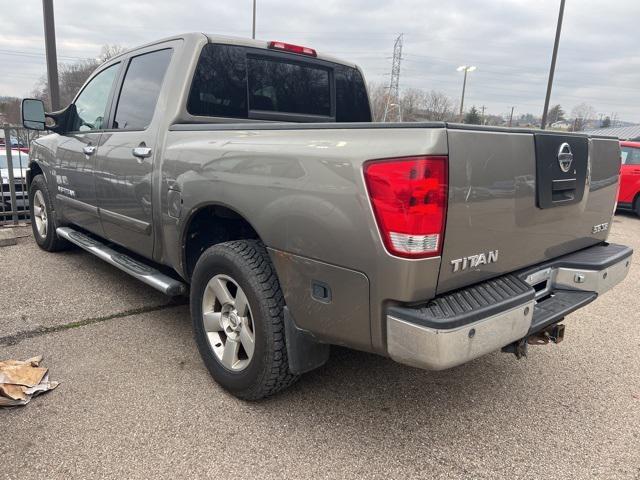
[248, 264]
[636, 205]
[50, 242]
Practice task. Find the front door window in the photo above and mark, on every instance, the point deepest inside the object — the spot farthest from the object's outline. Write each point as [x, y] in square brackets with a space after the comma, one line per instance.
[91, 104]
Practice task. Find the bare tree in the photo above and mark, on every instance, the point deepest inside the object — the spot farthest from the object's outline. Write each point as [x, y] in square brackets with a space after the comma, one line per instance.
[73, 75]
[439, 107]
[412, 103]
[582, 114]
[109, 51]
[378, 100]
[10, 108]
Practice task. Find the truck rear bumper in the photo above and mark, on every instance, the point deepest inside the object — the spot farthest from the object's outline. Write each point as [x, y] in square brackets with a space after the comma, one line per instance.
[457, 327]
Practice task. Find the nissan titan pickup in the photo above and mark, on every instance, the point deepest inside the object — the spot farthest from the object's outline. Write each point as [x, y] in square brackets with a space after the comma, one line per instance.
[249, 176]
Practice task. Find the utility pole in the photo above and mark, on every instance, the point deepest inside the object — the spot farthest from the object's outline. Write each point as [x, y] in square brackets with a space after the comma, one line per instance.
[253, 31]
[52, 58]
[553, 66]
[511, 116]
[482, 117]
[393, 97]
[466, 69]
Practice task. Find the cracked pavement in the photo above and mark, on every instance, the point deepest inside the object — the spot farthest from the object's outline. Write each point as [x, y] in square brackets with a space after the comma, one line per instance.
[135, 400]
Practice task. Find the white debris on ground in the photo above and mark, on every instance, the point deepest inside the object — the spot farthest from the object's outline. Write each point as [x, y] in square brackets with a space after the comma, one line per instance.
[20, 381]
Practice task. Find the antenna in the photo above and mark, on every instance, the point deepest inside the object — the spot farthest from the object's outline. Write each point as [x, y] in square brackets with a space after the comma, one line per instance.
[392, 110]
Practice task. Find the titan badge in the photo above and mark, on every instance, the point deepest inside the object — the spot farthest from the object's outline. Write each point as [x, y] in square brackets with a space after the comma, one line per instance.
[473, 261]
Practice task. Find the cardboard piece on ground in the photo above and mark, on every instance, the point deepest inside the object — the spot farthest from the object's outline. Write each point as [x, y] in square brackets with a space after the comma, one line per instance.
[20, 381]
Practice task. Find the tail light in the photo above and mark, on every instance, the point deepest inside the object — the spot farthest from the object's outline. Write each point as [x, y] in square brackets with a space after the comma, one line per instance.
[409, 200]
[288, 47]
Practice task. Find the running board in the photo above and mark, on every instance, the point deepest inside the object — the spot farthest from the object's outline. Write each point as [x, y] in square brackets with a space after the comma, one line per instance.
[149, 275]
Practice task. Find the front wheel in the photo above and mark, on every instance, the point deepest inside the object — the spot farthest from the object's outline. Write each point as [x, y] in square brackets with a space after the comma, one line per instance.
[42, 217]
[237, 313]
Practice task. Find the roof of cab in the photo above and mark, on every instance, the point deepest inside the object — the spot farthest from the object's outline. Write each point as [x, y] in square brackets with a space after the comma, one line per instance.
[264, 44]
[228, 40]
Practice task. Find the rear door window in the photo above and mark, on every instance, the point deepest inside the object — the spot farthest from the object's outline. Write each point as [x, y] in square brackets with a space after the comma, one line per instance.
[140, 90]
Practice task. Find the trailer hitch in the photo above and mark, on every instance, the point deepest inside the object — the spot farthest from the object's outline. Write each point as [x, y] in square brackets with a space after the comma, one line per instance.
[553, 334]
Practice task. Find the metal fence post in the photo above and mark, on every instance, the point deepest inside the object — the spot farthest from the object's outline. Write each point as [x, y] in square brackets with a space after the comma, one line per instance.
[12, 185]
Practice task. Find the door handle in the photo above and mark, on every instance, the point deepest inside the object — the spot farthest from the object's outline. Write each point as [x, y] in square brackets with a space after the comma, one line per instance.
[141, 152]
[89, 150]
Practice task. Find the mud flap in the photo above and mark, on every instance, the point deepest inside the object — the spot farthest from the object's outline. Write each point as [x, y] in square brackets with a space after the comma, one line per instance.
[304, 352]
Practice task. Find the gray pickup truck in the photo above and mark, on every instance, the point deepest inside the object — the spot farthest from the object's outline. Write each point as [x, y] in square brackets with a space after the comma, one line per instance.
[249, 176]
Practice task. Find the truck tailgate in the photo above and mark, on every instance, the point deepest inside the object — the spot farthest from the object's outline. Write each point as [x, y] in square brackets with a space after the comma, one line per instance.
[511, 204]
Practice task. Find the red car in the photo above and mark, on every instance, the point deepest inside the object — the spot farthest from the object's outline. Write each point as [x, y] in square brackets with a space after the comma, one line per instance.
[629, 196]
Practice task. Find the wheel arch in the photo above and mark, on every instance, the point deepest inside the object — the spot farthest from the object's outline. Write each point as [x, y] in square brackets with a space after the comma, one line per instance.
[209, 224]
[33, 170]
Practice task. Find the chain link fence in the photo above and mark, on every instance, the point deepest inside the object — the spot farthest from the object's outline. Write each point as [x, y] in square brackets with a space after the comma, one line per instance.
[14, 160]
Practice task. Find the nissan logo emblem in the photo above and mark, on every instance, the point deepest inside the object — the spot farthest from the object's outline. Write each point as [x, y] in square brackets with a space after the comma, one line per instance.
[565, 157]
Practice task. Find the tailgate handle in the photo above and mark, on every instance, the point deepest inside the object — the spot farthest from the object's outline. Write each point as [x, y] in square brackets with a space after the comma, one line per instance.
[563, 185]
[563, 190]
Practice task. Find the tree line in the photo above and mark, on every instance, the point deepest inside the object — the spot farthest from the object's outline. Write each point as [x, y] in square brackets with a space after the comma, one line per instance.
[71, 76]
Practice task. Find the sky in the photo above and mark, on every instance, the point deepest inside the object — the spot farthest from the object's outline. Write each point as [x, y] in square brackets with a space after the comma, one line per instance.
[510, 42]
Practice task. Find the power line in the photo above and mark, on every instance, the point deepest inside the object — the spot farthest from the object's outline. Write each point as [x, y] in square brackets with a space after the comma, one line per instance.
[23, 53]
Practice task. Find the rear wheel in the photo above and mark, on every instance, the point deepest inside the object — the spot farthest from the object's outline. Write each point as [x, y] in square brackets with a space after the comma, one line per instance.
[636, 205]
[42, 217]
[237, 314]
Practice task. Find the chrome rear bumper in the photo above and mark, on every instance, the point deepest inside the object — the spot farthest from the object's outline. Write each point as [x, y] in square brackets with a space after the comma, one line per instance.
[458, 327]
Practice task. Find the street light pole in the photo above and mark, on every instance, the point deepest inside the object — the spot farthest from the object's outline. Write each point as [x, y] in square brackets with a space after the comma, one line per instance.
[253, 34]
[52, 58]
[465, 69]
[552, 70]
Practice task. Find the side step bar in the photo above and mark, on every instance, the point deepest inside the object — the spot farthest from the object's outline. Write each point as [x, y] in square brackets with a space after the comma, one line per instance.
[149, 275]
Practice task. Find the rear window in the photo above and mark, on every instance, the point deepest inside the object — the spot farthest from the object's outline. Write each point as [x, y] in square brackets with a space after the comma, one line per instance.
[239, 82]
[287, 87]
[352, 102]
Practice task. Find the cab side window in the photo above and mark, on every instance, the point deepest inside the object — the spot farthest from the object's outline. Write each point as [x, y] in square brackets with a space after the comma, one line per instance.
[140, 90]
[91, 104]
[630, 156]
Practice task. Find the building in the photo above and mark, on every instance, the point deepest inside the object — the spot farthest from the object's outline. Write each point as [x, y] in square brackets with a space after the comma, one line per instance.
[623, 133]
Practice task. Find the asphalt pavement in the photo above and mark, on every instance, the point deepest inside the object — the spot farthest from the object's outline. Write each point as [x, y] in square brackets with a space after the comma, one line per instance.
[135, 401]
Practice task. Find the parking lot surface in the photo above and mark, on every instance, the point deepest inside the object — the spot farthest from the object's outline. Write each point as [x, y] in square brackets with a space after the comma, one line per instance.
[135, 401]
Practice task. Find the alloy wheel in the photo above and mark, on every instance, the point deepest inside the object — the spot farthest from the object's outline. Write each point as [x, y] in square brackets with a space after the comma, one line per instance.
[228, 323]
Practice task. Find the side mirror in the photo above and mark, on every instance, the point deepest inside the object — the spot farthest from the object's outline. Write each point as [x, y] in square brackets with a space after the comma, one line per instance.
[33, 114]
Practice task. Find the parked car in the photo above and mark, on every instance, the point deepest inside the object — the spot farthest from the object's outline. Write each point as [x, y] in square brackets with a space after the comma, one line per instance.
[629, 195]
[250, 171]
[20, 162]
